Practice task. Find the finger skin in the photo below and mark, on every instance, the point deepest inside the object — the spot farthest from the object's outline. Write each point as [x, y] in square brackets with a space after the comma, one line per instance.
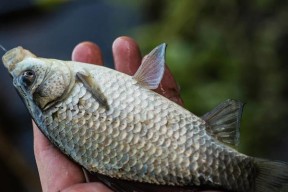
[56, 171]
[169, 88]
[87, 52]
[126, 54]
[127, 59]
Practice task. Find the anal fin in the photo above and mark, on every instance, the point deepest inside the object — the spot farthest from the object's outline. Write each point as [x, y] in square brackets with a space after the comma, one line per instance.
[224, 122]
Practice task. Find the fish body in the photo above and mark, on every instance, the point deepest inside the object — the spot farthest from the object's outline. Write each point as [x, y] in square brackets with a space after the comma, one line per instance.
[112, 124]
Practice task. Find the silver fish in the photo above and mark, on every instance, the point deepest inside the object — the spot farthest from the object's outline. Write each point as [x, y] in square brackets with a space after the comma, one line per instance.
[113, 125]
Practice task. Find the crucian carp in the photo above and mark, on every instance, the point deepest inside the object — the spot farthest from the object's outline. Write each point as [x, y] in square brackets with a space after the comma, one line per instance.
[114, 125]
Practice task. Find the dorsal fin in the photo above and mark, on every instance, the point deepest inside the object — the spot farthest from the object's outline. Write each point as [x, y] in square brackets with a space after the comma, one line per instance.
[224, 122]
[152, 68]
[93, 88]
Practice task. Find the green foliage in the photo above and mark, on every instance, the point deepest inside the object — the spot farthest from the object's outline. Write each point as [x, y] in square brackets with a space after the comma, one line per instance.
[227, 49]
[49, 4]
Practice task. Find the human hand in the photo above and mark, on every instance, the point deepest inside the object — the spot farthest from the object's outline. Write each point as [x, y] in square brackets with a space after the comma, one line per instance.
[57, 172]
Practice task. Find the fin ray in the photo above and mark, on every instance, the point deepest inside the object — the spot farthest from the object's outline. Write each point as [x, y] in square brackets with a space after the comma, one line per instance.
[224, 121]
[271, 176]
[152, 68]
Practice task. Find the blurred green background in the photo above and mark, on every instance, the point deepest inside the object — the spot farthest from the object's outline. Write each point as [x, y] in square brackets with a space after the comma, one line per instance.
[216, 50]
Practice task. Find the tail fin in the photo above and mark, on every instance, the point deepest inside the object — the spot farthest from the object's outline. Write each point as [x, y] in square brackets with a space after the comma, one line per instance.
[271, 176]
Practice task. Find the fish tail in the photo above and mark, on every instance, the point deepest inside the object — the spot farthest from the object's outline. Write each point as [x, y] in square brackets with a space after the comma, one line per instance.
[271, 176]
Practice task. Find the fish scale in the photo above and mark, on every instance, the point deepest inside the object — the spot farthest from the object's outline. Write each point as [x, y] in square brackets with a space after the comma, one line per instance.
[149, 113]
[113, 124]
[177, 123]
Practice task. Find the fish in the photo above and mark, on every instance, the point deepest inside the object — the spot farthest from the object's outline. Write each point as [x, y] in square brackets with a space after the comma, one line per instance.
[115, 126]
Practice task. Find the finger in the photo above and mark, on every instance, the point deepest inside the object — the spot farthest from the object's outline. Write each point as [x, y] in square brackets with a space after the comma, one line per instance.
[126, 54]
[127, 59]
[87, 52]
[88, 187]
[56, 171]
[169, 88]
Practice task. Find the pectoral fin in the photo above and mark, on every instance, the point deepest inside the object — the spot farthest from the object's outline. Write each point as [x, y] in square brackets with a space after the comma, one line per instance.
[93, 88]
[224, 122]
[152, 68]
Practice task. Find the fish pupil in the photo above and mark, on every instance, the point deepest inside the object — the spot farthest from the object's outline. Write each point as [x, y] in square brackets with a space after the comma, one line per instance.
[28, 77]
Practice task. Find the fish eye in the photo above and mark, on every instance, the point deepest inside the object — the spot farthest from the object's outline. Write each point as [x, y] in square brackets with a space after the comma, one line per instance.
[28, 77]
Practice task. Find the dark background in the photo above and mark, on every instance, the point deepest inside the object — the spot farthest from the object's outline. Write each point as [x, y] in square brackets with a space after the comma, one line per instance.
[217, 50]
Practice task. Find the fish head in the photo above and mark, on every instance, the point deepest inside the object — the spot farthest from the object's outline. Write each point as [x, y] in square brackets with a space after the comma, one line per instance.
[38, 81]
